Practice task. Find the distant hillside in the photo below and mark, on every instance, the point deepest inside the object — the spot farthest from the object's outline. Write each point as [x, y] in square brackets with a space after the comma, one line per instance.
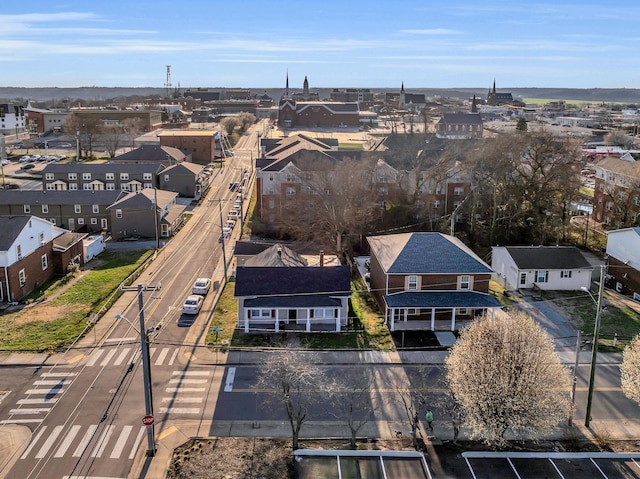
[627, 95]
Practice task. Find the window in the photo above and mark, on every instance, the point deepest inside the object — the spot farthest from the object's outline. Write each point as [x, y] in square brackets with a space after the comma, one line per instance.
[124, 187]
[523, 279]
[458, 190]
[542, 276]
[146, 176]
[27, 209]
[436, 204]
[167, 177]
[271, 204]
[41, 237]
[87, 186]
[94, 221]
[260, 313]
[124, 176]
[111, 186]
[52, 221]
[77, 209]
[118, 213]
[43, 260]
[73, 186]
[19, 252]
[319, 313]
[465, 282]
[48, 176]
[565, 274]
[290, 178]
[110, 176]
[270, 176]
[147, 185]
[72, 176]
[95, 208]
[86, 176]
[22, 277]
[80, 221]
[413, 312]
[51, 186]
[412, 282]
[291, 191]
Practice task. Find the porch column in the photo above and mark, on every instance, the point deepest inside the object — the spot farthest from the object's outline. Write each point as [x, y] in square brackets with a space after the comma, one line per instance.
[453, 319]
[308, 320]
[493, 313]
[405, 313]
[392, 324]
[433, 319]
[246, 320]
[276, 325]
[338, 321]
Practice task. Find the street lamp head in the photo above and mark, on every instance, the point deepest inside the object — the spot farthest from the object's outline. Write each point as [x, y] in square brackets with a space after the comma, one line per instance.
[584, 288]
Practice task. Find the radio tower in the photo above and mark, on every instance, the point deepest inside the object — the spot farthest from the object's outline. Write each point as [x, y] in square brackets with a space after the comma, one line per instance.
[167, 85]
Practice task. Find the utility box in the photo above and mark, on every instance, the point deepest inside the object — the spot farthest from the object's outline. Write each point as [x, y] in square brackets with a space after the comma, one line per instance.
[92, 246]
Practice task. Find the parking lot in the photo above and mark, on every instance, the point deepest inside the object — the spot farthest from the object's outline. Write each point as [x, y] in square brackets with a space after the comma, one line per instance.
[552, 465]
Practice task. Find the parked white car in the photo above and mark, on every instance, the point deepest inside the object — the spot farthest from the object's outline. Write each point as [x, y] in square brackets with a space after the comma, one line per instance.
[193, 304]
[201, 286]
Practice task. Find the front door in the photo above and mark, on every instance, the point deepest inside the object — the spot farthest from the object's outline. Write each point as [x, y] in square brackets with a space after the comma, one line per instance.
[72, 224]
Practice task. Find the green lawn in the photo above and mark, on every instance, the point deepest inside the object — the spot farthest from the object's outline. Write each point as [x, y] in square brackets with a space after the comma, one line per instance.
[368, 330]
[581, 310]
[57, 323]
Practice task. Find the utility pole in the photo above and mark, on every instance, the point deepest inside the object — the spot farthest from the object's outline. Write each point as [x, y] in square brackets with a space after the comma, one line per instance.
[224, 255]
[575, 377]
[594, 347]
[146, 369]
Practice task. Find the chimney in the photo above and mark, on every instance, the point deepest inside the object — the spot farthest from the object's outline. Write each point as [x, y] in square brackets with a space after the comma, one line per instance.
[321, 258]
[279, 250]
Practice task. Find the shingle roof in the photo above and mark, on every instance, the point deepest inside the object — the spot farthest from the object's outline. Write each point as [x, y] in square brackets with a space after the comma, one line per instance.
[461, 118]
[300, 301]
[441, 299]
[101, 168]
[548, 257]
[53, 197]
[268, 280]
[250, 248]
[151, 153]
[10, 228]
[425, 253]
[145, 198]
[276, 256]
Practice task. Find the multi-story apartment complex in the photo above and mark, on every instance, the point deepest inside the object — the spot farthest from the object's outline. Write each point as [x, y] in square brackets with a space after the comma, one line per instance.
[617, 192]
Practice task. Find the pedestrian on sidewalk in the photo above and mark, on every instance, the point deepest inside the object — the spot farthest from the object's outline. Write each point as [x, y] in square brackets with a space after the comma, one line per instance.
[429, 418]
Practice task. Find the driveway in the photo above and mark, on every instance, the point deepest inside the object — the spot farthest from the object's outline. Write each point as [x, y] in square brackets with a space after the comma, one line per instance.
[555, 323]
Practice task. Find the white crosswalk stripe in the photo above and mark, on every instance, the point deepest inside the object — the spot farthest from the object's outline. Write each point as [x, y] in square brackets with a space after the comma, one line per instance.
[183, 392]
[46, 392]
[117, 356]
[85, 441]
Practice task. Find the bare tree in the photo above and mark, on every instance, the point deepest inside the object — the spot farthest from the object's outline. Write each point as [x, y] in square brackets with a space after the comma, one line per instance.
[328, 201]
[353, 400]
[619, 138]
[507, 376]
[87, 129]
[245, 120]
[630, 370]
[112, 138]
[296, 382]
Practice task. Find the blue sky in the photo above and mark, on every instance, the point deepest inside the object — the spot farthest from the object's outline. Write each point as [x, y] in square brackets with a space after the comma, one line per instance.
[347, 43]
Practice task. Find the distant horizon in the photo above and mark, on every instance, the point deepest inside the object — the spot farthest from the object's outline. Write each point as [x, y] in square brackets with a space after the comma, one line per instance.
[354, 44]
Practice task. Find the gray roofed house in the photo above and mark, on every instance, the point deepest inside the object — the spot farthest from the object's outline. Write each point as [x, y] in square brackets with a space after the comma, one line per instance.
[189, 180]
[156, 154]
[428, 281]
[276, 256]
[100, 176]
[133, 215]
[75, 210]
[542, 267]
[293, 297]
[30, 256]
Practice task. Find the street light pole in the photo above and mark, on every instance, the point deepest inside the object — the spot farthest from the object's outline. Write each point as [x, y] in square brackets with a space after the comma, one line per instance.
[146, 369]
[224, 254]
[594, 348]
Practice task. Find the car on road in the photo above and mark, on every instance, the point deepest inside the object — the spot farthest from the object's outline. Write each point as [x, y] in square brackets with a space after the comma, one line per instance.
[234, 186]
[24, 159]
[27, 166]
[193, 304]
[5, 162]
[65, 145]
[10, 186]
[201, 286]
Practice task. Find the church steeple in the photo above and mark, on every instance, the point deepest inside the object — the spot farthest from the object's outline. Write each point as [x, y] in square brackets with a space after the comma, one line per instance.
[474, 106]
[401, 101]
[494, 85]
[286, 88]
[305, 87]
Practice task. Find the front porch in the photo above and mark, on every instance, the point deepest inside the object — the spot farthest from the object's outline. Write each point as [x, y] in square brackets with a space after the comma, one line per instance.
[254, 316]
[436, 310]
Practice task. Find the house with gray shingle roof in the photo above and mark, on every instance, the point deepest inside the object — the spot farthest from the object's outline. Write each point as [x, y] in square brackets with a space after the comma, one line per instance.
[542, 267]
[33, 251]
[306, 298]
[623, 251]
[428, 281]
